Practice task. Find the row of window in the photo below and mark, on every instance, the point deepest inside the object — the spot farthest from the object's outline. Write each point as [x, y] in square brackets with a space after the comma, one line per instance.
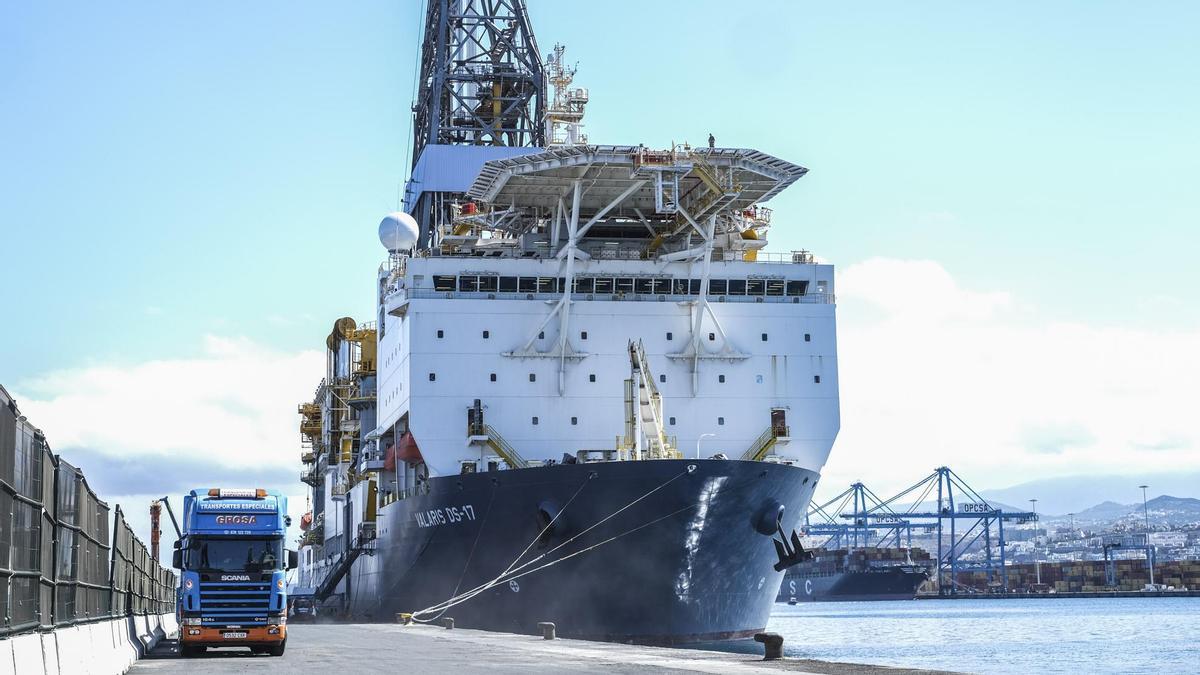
[583, 335]
[758, 379]
[575, 421]
[626, 285]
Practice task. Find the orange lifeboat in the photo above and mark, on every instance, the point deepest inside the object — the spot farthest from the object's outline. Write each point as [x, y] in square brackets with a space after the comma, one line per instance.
[306, 521]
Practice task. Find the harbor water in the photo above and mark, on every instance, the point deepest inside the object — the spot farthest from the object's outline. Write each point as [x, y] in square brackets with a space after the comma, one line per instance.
[1077, 635]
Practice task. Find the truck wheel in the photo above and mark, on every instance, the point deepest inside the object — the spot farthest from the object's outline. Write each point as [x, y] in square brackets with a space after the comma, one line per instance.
[190, 652]
[277, 650]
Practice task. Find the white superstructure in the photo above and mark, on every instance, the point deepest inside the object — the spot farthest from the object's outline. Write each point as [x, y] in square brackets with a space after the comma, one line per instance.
[527, 297]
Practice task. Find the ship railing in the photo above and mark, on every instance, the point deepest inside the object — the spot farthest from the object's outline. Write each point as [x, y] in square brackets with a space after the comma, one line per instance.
[763, 444]
[543, 251]
[806, 299]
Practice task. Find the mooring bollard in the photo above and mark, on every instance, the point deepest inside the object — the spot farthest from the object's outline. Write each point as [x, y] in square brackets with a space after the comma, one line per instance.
[547, 630]
[404, 618]
[448, 622]
[773, 642]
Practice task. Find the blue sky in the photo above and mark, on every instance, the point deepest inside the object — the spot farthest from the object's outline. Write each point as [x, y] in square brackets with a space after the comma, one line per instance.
[171, 172]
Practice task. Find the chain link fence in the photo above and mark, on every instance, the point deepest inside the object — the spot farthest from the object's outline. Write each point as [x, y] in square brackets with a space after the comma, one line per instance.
[60, 563]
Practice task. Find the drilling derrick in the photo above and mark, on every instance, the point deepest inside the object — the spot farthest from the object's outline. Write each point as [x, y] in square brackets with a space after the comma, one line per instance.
[481, 96]
[481, 79]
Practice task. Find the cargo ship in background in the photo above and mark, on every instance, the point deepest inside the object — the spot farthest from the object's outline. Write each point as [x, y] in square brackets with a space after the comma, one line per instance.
[869, 573]
[588, 395]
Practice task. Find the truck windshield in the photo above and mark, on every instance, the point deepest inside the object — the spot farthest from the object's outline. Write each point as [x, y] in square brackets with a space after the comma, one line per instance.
[236, 555]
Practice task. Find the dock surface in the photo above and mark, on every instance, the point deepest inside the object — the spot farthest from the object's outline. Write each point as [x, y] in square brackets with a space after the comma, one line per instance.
[333, 649]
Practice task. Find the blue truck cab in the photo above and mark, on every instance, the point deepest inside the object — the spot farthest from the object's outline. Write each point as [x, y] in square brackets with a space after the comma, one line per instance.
[233, 565]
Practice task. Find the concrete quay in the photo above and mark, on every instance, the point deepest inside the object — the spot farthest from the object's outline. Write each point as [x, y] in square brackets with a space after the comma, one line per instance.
[377, 648]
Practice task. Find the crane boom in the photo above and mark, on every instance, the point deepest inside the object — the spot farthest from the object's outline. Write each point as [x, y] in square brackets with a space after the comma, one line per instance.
[649, 431]
[170, 512]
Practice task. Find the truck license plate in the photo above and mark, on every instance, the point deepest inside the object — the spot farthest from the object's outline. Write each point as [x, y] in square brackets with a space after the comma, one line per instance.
[233, 636]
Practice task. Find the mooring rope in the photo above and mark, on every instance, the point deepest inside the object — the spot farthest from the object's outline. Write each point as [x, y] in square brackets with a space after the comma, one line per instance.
[511, 570]
[483, 587]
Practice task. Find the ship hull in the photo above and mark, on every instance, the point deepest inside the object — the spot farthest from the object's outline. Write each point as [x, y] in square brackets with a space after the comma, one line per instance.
[893, 584]
[658, 551]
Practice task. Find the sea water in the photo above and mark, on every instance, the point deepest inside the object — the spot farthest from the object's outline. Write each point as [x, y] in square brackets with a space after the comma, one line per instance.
[1083, 636]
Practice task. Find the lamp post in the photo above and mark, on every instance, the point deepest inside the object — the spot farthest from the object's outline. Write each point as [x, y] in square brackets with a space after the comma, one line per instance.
[1037, 560]
[702, 437]
[1149, 549]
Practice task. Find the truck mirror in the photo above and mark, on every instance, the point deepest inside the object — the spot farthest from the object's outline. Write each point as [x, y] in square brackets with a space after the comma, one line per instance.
[293, 560]
[177, 559]
[178, 544]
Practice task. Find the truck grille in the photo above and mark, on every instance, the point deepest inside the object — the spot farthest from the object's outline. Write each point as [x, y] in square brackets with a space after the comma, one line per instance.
[234, 603]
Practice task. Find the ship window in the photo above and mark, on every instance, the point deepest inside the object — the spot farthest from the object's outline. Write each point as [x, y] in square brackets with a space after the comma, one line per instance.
[662, 286]
[468, 284]
[808, 337]
[440, 334]
[432, 377]
[492, 377]
[527, 284]
[721, 421]
[662, 377]
[797, 287]
[758, 379]
[443, 283]
[604, 285]
[591, 377]
[488, 284]
[547, 284]
[737, 287]
[775, 287]
[721, 379]
[671, 421]
[670, 336]
[755, 287]
[508, 284]
[533, 377]
[486, 335]
[586, 285]
[816, 379]
[535, 421]
[643, 286]
[764, 337]
[694, 287]
[583, 335]
[718, 286]
[681, 287]
[574, 421]
[624, 285]
[542, 335]
[712, 337]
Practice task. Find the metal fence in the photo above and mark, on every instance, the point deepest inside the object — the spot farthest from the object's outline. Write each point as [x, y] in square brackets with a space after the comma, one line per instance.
[58, 562]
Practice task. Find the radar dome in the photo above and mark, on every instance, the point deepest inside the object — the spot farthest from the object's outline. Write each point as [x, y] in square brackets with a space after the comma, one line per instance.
[398, 231]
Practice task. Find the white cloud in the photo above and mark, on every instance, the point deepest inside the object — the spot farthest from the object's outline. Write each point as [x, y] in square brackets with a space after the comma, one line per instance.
[933, 373]
[233, 406]
[168, 426]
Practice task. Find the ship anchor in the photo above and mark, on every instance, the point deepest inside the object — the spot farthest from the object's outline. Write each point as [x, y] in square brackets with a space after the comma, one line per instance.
[790, 552]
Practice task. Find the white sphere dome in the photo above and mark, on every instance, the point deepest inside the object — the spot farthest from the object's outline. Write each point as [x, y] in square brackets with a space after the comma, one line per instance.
[398, 231]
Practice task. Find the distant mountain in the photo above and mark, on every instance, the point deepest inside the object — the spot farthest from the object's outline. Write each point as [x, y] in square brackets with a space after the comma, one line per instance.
[1103, 512]
[1060, 496]
[1162, 510]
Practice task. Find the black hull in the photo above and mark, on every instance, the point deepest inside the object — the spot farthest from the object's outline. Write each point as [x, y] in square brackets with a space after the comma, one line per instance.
[893, 584]
[690, 562]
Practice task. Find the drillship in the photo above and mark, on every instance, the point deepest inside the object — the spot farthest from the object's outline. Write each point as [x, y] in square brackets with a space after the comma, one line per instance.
[589, 396]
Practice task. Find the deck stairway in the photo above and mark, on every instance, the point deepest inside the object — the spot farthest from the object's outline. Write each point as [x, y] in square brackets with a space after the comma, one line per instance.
[762, 446]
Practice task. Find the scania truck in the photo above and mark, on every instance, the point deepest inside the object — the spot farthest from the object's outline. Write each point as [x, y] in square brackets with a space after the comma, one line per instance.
[233, 562]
